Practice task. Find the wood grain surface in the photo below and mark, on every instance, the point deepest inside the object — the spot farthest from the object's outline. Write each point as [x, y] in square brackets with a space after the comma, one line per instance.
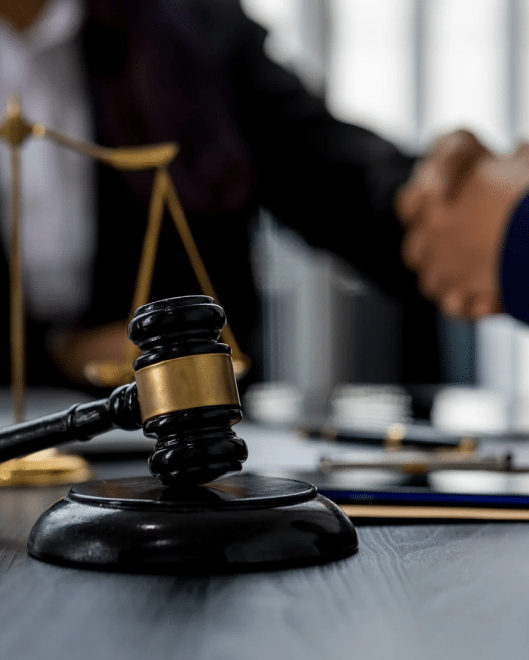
[424, 591]
[417, 592]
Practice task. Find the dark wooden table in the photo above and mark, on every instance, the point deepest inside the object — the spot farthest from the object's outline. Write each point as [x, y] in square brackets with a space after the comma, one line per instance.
[412, 592]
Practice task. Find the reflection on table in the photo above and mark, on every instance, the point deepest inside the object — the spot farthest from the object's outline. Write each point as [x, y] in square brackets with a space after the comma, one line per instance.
[412, 591]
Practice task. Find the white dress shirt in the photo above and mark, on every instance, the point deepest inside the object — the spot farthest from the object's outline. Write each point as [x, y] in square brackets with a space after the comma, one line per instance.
[43, 66]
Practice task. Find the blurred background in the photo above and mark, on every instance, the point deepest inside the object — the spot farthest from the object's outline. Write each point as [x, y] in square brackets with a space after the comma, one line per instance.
[408, 69]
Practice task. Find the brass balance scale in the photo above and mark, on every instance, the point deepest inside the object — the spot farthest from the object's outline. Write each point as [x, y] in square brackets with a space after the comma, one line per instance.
[49, 467]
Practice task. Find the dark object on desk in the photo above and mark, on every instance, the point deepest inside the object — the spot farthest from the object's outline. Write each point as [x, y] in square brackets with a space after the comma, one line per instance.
[405, 435]
[236, 524]
[188, 401]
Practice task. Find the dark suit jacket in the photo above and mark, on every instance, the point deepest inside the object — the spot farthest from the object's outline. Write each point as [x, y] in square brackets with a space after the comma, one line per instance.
[194, 71]
[514, 270]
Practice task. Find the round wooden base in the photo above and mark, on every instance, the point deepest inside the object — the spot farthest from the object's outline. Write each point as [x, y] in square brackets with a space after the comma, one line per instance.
[242, 523]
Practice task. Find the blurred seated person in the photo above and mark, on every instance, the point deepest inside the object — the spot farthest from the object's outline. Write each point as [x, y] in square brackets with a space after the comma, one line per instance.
[467, 215]
[130, 72]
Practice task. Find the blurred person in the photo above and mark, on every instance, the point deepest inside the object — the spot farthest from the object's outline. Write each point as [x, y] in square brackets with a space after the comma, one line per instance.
[466, 210]
[129, 72]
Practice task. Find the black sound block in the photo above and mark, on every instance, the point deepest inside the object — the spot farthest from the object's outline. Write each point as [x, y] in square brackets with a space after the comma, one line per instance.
[242, 523]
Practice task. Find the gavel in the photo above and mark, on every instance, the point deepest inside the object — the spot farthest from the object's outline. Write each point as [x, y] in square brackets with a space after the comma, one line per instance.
[185, 397]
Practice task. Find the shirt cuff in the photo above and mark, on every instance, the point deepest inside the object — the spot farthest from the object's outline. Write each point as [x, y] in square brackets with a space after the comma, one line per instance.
[514, 269]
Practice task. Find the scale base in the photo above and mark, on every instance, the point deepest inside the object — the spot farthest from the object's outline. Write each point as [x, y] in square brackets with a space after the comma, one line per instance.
[242, 523]
[44, 468]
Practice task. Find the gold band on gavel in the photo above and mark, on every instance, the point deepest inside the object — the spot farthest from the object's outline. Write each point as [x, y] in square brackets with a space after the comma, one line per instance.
[186, 382]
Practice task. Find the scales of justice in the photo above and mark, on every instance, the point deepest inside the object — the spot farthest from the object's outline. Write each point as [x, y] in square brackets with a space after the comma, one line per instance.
[177, 380]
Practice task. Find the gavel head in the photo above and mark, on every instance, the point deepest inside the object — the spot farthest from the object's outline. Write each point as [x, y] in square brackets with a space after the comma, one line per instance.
[187, 391]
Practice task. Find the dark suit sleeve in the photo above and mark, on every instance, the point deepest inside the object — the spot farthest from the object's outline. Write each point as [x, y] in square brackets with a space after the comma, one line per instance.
[331, 181]
[515, 263]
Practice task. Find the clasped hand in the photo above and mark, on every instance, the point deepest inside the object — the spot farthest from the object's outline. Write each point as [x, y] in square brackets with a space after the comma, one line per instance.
[455, 208]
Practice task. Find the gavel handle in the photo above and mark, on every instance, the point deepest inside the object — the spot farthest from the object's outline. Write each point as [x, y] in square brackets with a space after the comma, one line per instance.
[82, 421]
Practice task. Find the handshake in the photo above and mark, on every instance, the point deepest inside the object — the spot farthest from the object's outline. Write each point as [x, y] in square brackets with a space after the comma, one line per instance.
[457, 209]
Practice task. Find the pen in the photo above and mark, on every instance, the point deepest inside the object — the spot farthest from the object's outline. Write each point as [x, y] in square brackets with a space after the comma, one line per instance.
[411, 462]
[394, 437]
